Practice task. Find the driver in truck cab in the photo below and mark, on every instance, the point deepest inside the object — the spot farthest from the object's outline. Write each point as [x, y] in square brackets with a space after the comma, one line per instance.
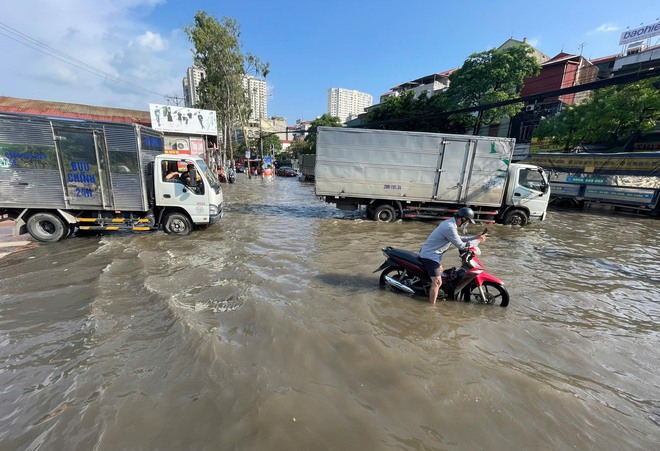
[185, 177]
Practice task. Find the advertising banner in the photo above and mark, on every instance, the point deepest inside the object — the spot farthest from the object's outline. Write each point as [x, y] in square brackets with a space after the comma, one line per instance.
[639, 34]
[168, 118]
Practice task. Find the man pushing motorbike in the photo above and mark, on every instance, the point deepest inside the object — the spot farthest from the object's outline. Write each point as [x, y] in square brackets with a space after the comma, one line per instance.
[439, 242]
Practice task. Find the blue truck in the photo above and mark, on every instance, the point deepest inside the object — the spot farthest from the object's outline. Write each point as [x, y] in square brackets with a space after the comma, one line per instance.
[623, 181]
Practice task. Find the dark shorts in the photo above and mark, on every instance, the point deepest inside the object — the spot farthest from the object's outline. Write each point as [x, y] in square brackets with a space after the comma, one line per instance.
[432, 267]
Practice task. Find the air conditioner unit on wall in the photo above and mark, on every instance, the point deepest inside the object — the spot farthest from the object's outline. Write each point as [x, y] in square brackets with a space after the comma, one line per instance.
[180, 146]
[530, 107]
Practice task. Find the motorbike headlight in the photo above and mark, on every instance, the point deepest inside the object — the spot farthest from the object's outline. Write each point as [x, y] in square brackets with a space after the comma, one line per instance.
[477, 251]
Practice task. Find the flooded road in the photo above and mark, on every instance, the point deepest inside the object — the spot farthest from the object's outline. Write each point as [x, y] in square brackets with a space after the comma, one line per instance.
[269, 331]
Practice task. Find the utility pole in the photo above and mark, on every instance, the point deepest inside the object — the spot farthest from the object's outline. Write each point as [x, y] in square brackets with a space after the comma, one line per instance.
[581, 47]
[176, 99]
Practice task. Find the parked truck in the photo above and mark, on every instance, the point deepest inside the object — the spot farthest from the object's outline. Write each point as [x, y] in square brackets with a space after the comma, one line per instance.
[414, 175]
[622, 181]
[307, 163]
[59, 175]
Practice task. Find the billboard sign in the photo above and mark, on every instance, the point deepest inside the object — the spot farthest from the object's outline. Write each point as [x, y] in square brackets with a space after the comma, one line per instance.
[639, 34]
[176, 119]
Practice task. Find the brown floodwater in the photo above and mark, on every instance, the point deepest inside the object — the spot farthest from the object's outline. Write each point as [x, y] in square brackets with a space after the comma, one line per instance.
[270, 331]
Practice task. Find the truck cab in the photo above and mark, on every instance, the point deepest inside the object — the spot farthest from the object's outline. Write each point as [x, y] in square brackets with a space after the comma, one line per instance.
[186, 190]
[527, 195]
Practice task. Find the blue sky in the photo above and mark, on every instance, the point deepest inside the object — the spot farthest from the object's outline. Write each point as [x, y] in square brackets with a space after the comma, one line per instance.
[311, 46]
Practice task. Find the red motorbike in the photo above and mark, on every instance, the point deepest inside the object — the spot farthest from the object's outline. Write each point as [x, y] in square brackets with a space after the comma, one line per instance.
[403, 270]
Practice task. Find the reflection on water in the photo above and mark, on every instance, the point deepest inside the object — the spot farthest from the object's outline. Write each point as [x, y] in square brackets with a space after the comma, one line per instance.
[269, 331]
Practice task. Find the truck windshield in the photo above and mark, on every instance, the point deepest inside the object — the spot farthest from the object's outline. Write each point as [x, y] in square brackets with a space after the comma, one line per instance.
[208, 174]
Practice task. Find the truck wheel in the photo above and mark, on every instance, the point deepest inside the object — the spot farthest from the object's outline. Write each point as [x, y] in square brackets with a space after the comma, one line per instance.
[46, 227]
[515, 218]
[177, 224]
[384, 213]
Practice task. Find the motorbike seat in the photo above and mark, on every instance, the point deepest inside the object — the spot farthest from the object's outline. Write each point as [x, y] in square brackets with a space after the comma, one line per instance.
[406, 255]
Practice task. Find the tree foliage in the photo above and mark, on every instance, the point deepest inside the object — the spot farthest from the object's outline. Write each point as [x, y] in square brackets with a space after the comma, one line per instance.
[405, 112]
[615, 116]
[486, 77]
[324, 121]
[299, 147]
[492, 76]
[217, 49]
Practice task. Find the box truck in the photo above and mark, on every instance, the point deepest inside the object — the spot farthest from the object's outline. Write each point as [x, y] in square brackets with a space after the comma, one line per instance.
[306, 164]
[418, 175]
[58, 175]
[620, 181]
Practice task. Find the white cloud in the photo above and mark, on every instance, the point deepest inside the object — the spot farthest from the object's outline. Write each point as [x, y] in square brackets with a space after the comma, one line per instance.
[151, 41]
[606, 28]
[73, 50]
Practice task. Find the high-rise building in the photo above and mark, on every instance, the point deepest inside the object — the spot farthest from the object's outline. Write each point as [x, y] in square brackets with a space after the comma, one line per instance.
[190, 82]
[346, 104]
[255, 90]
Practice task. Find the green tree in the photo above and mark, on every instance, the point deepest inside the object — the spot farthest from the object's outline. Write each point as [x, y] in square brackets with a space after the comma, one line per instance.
[486, 77]
[405, 112]
[616, 116]
[217, 49]
[492, 76]
[324, 121]
[299, 147]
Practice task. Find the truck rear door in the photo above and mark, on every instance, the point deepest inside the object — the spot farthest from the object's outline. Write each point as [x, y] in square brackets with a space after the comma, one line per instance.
[83, 159]
[452, 160]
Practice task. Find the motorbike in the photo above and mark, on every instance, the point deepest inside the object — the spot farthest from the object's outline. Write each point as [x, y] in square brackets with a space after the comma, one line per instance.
[403, 270]
[231, 176]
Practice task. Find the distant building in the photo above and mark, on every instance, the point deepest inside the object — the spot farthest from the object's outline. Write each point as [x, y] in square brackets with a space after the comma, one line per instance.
[431, 84]
[190, 83]
[347, 104]
[255, 90]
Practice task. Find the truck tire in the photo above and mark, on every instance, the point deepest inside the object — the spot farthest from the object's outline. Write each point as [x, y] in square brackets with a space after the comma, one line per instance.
[385, 213]
[46, 227]
[177, 224]
[515, 218]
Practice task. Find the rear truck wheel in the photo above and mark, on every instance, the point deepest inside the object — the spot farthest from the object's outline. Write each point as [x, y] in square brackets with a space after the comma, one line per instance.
[177, 224]
[46, 227]
[515, 218]
[385, 213]
[495, 294]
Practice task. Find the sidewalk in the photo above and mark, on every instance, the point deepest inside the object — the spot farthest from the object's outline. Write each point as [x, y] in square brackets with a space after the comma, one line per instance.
[10, 243]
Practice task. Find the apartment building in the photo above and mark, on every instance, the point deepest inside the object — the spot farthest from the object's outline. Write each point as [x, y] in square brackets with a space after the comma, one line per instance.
[347, 104]
[255, 91]
[190, 82]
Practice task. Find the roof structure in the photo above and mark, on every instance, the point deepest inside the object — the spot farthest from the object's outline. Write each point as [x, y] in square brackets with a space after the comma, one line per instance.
[73, 111]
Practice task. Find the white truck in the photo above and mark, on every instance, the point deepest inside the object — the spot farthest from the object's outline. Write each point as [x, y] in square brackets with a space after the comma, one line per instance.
[59, 175]
[407, 175]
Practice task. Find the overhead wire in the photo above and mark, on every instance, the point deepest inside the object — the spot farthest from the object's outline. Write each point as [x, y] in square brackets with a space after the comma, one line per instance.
[39, 46]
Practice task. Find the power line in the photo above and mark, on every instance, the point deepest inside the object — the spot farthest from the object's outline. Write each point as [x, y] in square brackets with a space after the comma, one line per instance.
[28, 41]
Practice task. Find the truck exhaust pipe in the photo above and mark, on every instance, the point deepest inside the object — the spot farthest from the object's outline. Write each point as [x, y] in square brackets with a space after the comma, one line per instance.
[399, 285]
